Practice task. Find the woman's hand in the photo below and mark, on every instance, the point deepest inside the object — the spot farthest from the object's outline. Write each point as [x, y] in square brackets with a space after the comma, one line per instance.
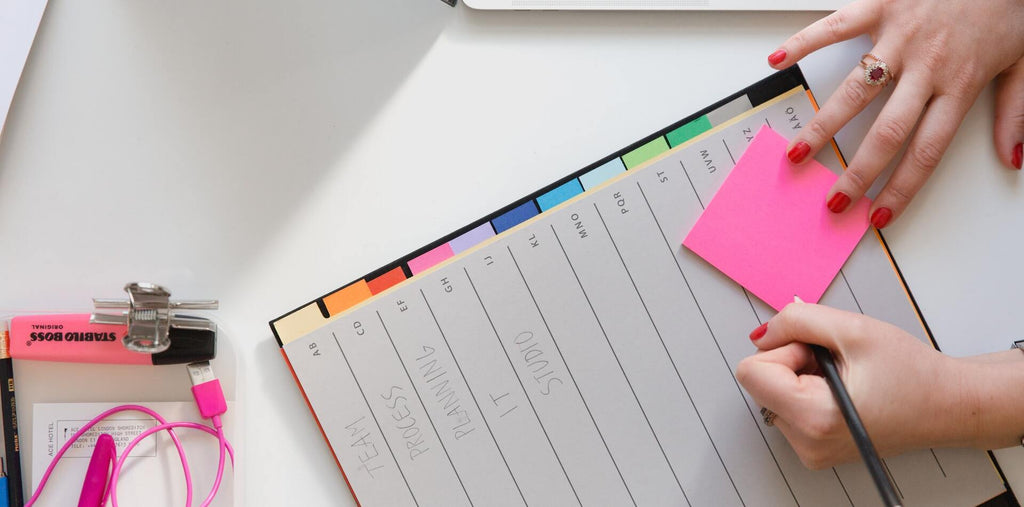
[908, 394]
[941, 54]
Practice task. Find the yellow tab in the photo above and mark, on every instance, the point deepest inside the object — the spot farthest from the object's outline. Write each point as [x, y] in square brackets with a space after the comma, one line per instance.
[299, 323]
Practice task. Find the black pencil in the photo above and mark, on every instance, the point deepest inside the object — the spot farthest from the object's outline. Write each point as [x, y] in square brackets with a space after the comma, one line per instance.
[12, 445]
[867, 450]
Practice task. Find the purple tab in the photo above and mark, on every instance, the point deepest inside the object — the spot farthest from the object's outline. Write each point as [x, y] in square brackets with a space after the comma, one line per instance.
[471, 238]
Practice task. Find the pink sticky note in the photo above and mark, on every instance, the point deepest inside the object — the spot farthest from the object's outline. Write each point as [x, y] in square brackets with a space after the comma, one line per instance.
[768, 228]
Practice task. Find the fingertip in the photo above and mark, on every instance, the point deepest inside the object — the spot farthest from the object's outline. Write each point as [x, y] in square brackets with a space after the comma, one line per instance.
[777, 57]
[775, 333]
[1009, 120]
[1009, 146]
[881, 217]
[838, 202]
[759, 332]
[798, 152]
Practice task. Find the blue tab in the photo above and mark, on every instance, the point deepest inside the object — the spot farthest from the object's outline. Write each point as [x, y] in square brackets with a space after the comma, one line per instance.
[514, 217]
[602, 173]
[560, 194]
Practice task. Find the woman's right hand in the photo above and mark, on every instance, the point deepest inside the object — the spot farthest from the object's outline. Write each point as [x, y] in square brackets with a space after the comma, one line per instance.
[908, 394]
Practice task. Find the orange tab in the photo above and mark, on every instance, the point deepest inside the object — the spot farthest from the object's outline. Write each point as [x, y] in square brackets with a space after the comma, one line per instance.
[347, 297]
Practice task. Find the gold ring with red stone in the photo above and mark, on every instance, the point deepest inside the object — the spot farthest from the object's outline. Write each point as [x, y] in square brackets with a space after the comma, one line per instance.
[876, 71]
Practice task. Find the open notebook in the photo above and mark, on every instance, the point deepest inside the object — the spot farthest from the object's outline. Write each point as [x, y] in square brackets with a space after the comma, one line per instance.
[567, 350]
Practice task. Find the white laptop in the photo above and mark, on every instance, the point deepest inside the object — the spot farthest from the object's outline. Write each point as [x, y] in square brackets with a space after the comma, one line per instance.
[711, 5]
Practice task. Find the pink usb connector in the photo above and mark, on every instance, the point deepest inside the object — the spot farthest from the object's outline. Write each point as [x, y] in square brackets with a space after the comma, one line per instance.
[207, 391]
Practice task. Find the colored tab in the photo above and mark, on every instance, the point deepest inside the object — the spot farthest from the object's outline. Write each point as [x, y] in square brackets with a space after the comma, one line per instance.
[386, 281]
[297, 324]
[472, 238]
[560, 194]
[602, 173]
[644, 153]
[688, 131]
[431, 258]
[347, 297]
[724, 113]
[514, 217]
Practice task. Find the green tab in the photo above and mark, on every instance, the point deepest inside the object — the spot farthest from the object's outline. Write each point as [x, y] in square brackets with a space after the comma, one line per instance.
[645, 153]
[689, 131]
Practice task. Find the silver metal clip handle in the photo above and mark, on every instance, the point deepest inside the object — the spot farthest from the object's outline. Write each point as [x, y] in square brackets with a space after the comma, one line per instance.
[149, 316]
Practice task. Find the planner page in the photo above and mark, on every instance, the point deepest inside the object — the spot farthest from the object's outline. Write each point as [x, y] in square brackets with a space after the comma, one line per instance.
[569, 350]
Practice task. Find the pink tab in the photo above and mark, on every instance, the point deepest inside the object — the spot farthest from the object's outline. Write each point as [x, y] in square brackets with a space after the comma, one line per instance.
[768, 228]
[431, 258]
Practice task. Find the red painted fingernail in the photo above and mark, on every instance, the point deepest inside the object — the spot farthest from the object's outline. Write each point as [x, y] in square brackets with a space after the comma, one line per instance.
[838, 202]
[758, 333]
[777, 57]
[880, 218]
[1018, 155]
[798, 152]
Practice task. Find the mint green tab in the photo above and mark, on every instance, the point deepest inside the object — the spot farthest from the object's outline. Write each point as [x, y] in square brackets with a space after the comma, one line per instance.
[689, 131]
[645, 153]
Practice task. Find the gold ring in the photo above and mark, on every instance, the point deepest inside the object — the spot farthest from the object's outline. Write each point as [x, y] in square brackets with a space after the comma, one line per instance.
[876, 71]
[768, 416]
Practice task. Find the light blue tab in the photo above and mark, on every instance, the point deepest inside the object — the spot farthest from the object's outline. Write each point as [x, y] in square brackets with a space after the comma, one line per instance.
[602, 173]
[560, 194]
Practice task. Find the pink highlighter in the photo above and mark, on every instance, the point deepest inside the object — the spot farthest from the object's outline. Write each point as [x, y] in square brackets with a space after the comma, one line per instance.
[95, 484]
[71, 338]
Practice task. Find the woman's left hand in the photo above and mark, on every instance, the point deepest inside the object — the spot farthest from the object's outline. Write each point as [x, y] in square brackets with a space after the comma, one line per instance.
[941, 53]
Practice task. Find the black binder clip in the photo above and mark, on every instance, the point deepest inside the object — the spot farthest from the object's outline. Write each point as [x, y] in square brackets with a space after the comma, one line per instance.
[150, 316]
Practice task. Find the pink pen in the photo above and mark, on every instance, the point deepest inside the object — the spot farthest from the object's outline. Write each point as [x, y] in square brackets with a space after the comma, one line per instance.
[95, 485]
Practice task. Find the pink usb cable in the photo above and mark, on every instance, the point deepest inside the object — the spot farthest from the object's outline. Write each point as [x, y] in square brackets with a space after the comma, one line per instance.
[209, 398]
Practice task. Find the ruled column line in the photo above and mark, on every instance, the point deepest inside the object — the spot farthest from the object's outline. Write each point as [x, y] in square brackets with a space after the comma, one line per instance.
[707, 324]
[621, 368]
[861, 310]
[571, 377]
[668, 354]
[374, 416]
[521, 386]
[473, 396]
[425, 410]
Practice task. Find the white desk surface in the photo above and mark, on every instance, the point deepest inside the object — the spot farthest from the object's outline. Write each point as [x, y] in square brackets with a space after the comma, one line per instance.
[265, 153]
